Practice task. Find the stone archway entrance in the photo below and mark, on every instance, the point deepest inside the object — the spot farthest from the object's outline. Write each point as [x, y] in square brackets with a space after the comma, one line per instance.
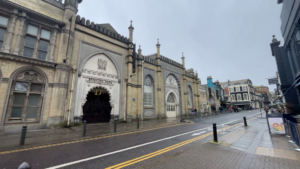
[171, 105]
[97, 107]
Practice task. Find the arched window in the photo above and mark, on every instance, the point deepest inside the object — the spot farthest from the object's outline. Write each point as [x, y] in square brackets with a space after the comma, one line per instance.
[148, 91]
[190, 99]
[26, 96]
[171, 98]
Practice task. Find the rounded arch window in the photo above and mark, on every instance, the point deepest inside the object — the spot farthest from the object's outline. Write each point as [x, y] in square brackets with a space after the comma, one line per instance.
[190, 99]
[148, 91]
[26, 96]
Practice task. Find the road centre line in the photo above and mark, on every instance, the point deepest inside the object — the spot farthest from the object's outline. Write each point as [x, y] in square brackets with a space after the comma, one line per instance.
[141, 145]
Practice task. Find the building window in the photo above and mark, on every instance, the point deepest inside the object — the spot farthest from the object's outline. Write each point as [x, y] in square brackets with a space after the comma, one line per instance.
[26, 98]
[245, 96]
[171, 98]
[233, 97]
[3, 25]
[237, 89]
[190, 99]
[36, 37]
[239, 97]
[244, 88]
[148, 92]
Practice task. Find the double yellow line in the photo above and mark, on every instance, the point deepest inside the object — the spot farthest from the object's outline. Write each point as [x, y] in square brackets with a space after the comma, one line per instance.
[156, 153]
[84, 140]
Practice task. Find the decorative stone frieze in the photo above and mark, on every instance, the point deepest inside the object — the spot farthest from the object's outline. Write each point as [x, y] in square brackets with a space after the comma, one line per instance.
[31, 76]
[94, 72]
[26, 60]
[98, 81]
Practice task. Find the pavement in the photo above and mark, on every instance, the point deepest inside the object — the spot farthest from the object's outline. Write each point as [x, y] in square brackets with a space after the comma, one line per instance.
[249, 147]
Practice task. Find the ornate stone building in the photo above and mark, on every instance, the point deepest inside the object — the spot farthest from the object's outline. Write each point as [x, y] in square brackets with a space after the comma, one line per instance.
[55, 65]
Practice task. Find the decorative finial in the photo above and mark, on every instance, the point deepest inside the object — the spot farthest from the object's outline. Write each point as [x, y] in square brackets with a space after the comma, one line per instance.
[157, 41]
[131, 23]
[274, 39]
[140, 46]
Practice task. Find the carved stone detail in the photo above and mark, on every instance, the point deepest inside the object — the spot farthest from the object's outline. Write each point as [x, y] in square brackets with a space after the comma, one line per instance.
[30, 76]
[94, 72]
[5, 80]
[102, 64]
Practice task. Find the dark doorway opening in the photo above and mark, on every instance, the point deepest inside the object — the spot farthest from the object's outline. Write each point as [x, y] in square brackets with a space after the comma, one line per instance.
[97, 108]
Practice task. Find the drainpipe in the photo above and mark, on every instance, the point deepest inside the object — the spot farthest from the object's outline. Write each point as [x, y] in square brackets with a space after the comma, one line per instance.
[71, 93]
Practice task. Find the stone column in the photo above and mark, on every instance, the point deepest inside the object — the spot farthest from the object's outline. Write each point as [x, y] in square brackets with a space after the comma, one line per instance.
[23, 18]
[52, 44]
[10, 31]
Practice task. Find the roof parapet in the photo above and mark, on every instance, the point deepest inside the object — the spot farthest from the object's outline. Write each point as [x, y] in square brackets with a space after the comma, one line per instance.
[101, 29]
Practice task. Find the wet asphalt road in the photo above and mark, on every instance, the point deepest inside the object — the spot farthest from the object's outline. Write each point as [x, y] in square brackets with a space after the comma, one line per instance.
[54, 156]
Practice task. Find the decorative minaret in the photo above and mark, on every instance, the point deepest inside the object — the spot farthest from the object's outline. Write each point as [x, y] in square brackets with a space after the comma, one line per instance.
[197, 91]
[184, 94]
[139, 82]
[160, 103]
[158, 58]
[183, 63]
[129, 73]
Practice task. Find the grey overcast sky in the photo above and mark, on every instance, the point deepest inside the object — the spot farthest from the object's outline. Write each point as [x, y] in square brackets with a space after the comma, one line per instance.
[225, 39]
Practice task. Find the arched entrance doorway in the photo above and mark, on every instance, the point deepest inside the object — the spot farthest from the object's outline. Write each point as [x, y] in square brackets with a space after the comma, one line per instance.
[171, 105]
[97, 107]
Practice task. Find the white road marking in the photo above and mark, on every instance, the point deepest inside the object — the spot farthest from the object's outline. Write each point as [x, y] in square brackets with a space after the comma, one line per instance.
[129, 148]
[196, 134]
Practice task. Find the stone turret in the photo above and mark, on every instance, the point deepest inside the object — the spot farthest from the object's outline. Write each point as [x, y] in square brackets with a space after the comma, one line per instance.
[158, 52]
[131, 28]
[182, 59]
[72, 5]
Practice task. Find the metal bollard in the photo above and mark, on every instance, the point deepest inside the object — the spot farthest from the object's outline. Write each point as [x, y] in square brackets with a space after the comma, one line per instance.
[215, 132]
[115, 125]
[245, 121]
[84, 129]
[138, 123]
[23, 135]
